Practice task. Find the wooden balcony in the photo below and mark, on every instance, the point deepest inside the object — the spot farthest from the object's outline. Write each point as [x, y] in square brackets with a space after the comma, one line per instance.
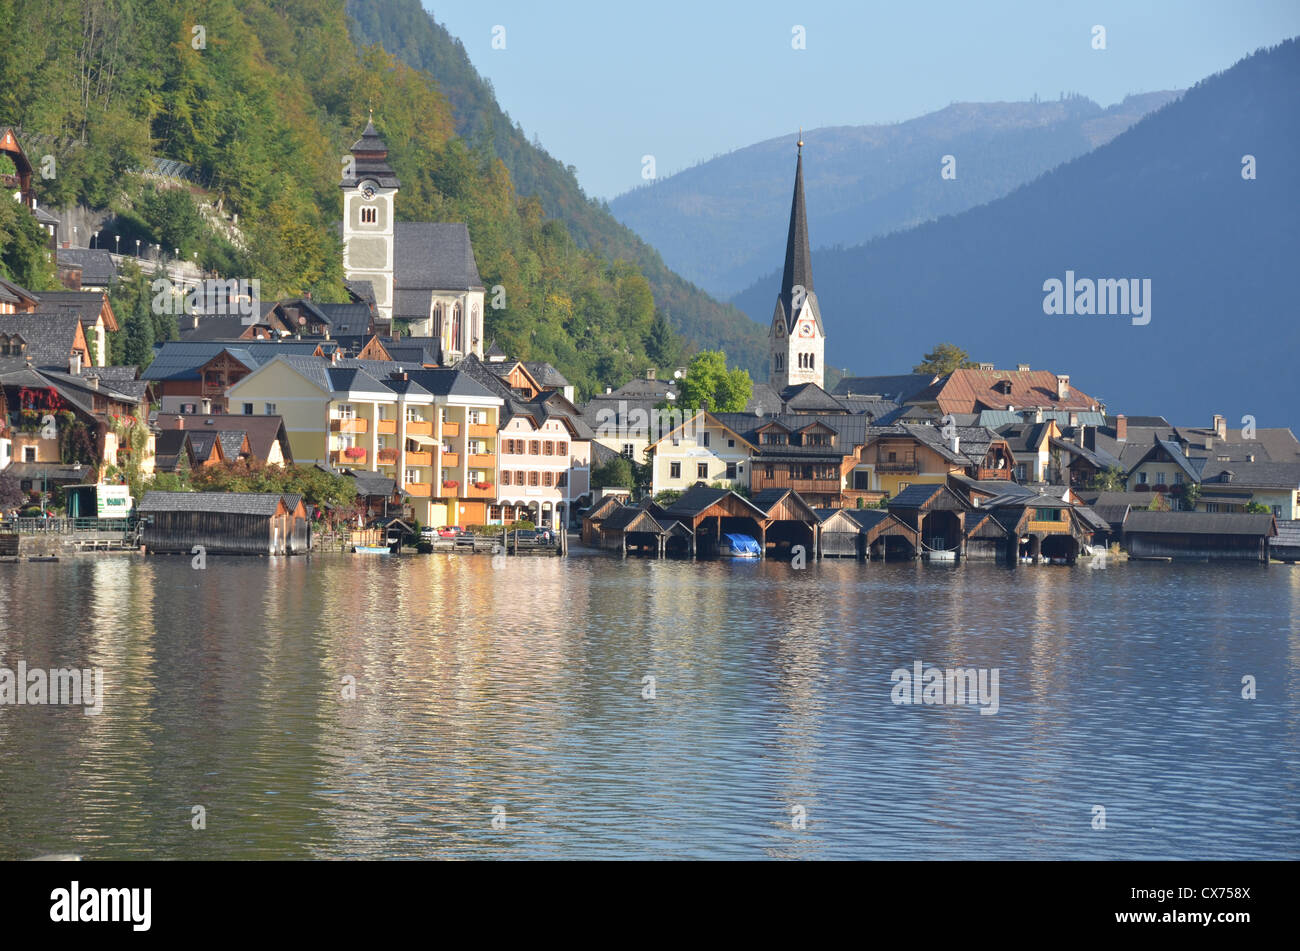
[451, 459]
[386, 427]
[419, 427]
[849, 497]
[421, 490]
[759, 482]
[356, 426]
[480, 460]
[451, 429]
[481, 430]
[339, 457]
[387, 457]
[1047, 527]
[419, 458]
[906, 464]
[473, 492]
[982, 474]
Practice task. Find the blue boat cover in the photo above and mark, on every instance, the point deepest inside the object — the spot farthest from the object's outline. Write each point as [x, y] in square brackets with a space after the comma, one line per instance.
[742, 544]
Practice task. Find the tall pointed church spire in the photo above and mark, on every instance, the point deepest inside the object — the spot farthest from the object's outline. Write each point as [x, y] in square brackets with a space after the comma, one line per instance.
[798, 256]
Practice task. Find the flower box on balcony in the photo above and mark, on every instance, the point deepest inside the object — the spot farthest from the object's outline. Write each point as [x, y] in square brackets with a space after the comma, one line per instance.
[482, 485]
[450, 484]
[388, 456]
[354, 452]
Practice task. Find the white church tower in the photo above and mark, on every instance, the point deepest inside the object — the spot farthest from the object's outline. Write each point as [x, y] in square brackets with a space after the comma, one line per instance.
[369, 190]
[797, 340]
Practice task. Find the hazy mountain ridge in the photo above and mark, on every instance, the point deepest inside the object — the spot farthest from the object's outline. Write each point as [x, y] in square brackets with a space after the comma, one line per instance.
[722, 222]
[1165, 200]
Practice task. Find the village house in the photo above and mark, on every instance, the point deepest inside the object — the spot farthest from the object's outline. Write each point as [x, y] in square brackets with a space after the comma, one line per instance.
[196, 377]
[261, 439]
[701, 449]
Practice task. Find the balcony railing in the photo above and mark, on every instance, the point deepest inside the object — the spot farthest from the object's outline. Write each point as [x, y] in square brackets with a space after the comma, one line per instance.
[472, 491]
[356, 426]
[386, 427]
[421, 490]
[451, 429]
[419, 458]
[483, 430]
[355, 456]
[419, 427]
[981, 474]
[778, 481]
[1037, 526]
[387, 457]
[906, 464]
[451, 459]
[480, 460]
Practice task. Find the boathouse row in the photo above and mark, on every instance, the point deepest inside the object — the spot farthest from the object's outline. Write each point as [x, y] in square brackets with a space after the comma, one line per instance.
[936, 522]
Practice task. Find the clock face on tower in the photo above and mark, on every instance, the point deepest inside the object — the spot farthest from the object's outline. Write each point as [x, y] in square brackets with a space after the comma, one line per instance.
[368, 190]
[805, 328]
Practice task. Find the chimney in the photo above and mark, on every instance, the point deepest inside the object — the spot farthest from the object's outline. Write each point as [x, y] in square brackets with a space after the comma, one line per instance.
[1121, 427]
[650, 373]
[194, 320]
[986, 366]
[1090, 438]
[1022, 367]
[180, 421]
[1220, 427]
[608, 390]
[74, 363]
[955, 444]
[1038, 414]
[1062, 386]
[207, 406]
[1251, 457]
[93, 381]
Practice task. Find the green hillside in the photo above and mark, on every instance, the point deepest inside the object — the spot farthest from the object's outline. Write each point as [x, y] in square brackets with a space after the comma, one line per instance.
[263, 101]
[403, 28]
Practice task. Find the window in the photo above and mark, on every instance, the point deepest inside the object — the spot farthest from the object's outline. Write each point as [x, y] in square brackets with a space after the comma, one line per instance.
[413, 415]
[627, 449]
[706, 438]
[1047, 515]
[248, 409]
[1160, 478]
[369, 215]
[702, 470]
[532, 477]
[29, 453]
[455, 337]
[548, 448]
[494, 513]
[1142, 478]
[769, 471]
[534, 447]
[1277, 511]
[413, 475]
[674, 470]
[731, 444]
[731, 470]
[561, 448]
[505, 476]
[1211, 506]
[520, 477]
[346, 411]
[547, 478]
[269, 409]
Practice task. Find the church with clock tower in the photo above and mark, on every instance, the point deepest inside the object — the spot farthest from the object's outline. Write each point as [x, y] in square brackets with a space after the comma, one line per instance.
[422, 274]
[797, 339]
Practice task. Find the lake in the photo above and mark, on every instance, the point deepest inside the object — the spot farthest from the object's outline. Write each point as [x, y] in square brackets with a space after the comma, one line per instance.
[340, 706]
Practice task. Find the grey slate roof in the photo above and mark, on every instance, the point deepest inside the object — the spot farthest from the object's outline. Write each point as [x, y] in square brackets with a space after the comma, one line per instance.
[1277, 475]
[180, 360]
[232, 503]
[97, 267]
[546, 375]
[1200, 523]
[897, 389]
[371, 161]
[346, 319]
[49, 337]
[434, 256]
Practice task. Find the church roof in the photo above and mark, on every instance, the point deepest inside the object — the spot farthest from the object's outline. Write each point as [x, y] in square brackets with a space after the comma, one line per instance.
[798, 254]
[370, 155]
[431, 255]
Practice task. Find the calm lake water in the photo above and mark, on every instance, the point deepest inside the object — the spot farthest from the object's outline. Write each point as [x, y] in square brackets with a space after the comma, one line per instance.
[517, 693]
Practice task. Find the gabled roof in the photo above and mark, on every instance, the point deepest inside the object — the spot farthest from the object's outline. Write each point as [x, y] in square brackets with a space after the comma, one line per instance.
[922, 495]
[897, 389]
[1200, 523]
[96, 264]
[700, 498]
[973, 390]
[231, 503]
[88, 305]
[430, 255]
[546, 375]
[1191, 469]
[181, 360]
[1271, 475]
[346, 319]
[261, 431]
[50, 337]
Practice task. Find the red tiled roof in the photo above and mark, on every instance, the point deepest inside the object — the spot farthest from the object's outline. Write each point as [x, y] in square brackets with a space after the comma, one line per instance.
[969, 391]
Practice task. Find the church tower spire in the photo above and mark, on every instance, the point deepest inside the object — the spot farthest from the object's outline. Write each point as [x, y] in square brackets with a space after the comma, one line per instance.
[798, 342]
[369, 189]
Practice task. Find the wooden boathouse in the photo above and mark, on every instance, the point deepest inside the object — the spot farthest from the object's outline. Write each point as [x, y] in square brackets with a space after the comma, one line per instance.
[223, 523]
[1199, 536]
[868, 534]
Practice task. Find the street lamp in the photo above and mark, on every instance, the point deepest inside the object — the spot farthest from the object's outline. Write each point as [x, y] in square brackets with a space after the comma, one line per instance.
[137, 247]
[93, 238]
[117, 243]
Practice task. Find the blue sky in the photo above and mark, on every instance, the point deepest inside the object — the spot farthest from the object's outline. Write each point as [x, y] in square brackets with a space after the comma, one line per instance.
[602, 83]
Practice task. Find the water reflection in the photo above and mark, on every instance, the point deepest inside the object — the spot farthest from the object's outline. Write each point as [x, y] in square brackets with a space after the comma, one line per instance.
[518, 693]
